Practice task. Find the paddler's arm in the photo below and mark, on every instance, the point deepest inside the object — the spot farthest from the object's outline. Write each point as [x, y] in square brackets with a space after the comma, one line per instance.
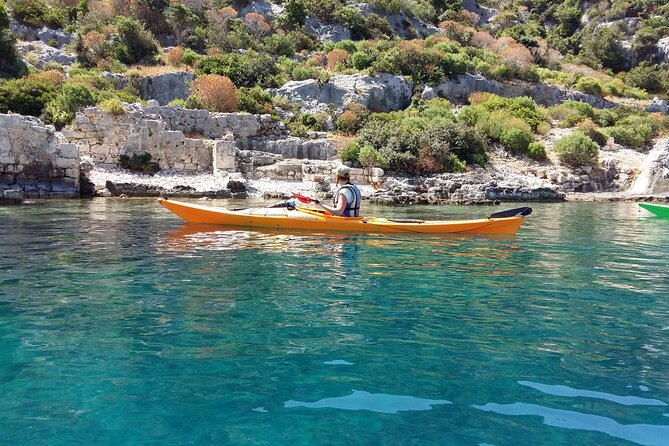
[341, 205]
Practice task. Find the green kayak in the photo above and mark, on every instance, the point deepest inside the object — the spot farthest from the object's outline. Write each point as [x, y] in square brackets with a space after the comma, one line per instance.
[661, 210]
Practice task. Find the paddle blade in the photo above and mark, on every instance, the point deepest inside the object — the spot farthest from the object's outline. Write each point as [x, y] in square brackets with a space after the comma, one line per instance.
[304, 199]
[524, 211]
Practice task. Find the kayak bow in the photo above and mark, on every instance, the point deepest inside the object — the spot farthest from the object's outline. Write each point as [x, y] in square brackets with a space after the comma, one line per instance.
[661, 210]
[317, 220]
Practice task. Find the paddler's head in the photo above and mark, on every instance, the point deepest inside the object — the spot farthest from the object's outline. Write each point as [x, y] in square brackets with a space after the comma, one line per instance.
[343, 174]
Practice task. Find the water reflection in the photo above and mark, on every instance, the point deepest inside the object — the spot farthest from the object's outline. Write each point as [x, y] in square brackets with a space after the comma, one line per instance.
[373, 402]
[559, 390]
[644, 434]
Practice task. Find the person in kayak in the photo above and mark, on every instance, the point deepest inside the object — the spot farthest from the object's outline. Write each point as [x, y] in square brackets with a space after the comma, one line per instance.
[347, 198]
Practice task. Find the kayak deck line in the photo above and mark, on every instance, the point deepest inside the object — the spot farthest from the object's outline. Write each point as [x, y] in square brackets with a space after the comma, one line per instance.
[318, 220]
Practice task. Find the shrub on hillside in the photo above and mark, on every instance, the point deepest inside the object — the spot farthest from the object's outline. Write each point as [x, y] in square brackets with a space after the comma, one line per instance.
[245, 70]
[523, 108]
[631, 136]
[113, 106]
[190, 57]
[515, 140]
[26, 96]
[254, 100]
[650, 77]
[353, 119]
[216, 92]
[368, 156]
[570, 113]
[175, 56]
[280, 45]
[335, 57]
[133, 43]
[11, 64]
[184, 24]
[603, 47]
[350, 152]
[537, 151]
[576, 149]
[60, 111]
[415, 143]
[37, 13]
[589, 85]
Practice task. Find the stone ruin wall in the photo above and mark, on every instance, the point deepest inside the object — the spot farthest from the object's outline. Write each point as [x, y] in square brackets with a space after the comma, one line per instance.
[190, 141]
[36, 160]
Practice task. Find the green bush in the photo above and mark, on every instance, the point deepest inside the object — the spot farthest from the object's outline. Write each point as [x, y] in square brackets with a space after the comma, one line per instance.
[190, 57]
[515, 140]
[523, 108]
[280, 45]
[11, 64]
[576, 149]
[353, 20]
[370, 157]
[537, 151]
[413, 142]
[244, 70]
[254, 100]
[113, 106]
[350, 152]
[589, 85]
[302, 73]
[631, 136]
[183, 23]
[603, 47]
[295, 13]
[605, 117]
[133, 43]
[61, 110]
[650, 77]
[25, 96]
[570, 113]
[37, 13]
[139, 163]
[181, 103]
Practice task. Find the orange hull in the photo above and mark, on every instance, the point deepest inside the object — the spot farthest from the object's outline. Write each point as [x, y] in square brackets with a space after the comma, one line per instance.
[313, 220]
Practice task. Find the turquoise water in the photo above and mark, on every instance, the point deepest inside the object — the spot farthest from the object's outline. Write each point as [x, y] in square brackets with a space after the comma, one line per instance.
[121, 325]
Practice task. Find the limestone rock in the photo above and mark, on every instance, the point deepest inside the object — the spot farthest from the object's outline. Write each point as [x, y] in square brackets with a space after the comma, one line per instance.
[43, 53]
[658, 105]
[485, 14]
[458, 90]
[165, 87]
[262, 7]
[403, 26]
[662, 51]
[382, 93]
[334, 32]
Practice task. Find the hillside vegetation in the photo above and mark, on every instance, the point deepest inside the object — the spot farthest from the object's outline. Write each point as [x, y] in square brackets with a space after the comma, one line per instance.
[239, 49]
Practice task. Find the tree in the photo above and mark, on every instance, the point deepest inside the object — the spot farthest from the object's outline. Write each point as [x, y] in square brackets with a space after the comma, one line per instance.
[296, 12]
[10, 63]
[603, 46]
[183, 23]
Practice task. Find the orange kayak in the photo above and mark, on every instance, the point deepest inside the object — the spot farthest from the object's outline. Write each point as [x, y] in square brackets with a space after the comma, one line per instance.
[318, 220]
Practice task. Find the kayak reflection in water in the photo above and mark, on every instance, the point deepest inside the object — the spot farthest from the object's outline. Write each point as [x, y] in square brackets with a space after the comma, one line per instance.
[347, 198]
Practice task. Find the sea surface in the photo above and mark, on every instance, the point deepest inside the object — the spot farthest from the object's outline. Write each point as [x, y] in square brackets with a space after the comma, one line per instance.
[121, 325]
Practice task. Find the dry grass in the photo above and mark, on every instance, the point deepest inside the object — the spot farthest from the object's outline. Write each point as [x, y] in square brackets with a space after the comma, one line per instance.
[154, 70]
[585, 71]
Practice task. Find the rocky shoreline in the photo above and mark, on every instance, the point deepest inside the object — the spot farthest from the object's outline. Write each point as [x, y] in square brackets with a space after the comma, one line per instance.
[483, 186]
